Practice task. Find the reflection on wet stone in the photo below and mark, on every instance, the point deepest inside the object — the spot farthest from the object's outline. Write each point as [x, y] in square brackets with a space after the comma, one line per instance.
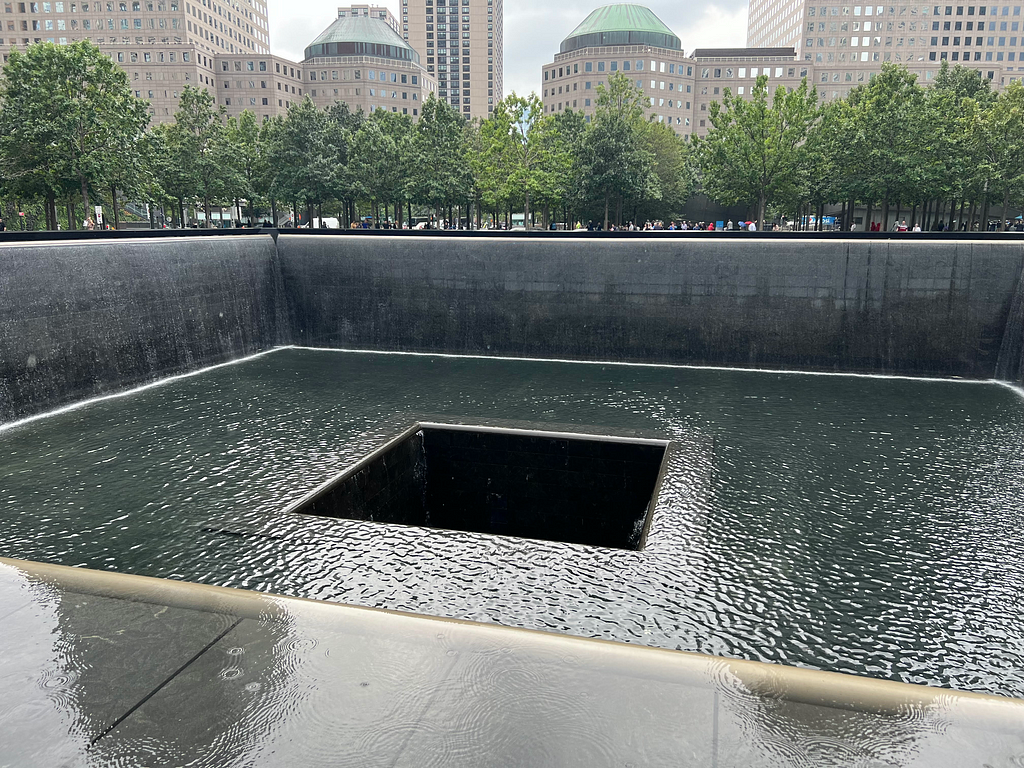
[798, 520]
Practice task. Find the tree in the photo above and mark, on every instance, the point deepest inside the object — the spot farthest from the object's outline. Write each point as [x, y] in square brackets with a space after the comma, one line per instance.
[342, 125]
[439, 175]
[518, 151]
[68, 120]
[248, 159]
[619, 163]
[198, 146]
[953, 105]
[381, 158]
[884, 122]
[1002, 137]
[570, 158]
[754, 151]
[673, 169]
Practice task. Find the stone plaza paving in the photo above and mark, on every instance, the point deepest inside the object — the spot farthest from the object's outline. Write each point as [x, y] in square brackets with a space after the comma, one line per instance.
[109, 669]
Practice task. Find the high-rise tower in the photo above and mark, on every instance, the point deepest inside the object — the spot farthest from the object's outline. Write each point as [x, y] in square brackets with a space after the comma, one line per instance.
[460, 43]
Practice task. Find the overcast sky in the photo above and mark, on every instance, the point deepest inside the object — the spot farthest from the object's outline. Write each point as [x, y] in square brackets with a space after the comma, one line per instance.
[533, 29]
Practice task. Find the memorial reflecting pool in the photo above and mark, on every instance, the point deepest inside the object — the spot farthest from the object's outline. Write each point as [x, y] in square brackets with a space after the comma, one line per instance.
[854, 524]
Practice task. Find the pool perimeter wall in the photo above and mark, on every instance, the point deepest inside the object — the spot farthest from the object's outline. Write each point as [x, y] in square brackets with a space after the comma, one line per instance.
[89, 316]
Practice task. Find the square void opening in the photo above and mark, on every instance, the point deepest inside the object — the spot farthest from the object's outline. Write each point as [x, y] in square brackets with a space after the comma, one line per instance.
[584, 489]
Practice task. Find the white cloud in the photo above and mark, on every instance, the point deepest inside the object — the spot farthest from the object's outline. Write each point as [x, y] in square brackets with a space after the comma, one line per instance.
[533, 29]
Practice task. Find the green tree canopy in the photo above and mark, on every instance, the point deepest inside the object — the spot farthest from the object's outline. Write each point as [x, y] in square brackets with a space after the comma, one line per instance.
[519, 152]
[754, 152]
[440, 170]
[382, 158]
[198, 145]
[620, 164]
[68, 120]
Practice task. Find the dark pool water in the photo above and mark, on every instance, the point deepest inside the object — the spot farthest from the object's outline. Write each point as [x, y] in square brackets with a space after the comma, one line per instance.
[854, 524]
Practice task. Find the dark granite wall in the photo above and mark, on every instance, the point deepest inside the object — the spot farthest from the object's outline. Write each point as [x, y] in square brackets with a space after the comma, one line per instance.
[899, 306]
[1010, 366]
[385, 489]
[83, 318]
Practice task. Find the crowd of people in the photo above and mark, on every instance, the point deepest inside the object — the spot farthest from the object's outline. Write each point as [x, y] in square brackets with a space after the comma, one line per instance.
[681, 226]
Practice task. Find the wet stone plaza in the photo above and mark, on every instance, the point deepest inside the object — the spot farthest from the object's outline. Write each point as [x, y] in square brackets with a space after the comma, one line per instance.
[856, 524]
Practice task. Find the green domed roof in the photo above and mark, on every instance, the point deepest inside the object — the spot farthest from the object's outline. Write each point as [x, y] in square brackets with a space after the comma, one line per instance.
[621, 24]
[360, 36]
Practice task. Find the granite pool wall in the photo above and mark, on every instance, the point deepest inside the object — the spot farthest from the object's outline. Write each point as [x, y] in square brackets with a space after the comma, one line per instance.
[93, 315]
[87, 317]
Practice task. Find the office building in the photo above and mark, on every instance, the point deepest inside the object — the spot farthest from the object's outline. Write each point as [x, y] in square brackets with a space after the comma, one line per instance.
[840, 40]
[363, 61]
[163, 45]
[375, 11]
[632, 40]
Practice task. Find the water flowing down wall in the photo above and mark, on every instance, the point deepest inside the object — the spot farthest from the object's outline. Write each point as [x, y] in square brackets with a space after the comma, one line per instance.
[1010, 366]
[924, 307]
[82, 318]
[85, 317]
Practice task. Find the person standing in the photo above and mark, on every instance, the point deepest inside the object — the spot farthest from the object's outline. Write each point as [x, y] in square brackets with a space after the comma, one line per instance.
[3, 227]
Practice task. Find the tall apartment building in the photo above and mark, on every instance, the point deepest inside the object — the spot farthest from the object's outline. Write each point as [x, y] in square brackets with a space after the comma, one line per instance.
[370, 11]
[461, 44]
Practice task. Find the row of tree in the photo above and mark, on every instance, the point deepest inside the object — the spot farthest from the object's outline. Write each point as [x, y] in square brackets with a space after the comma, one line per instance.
[71, 131]
[65, 146]
[941, 155]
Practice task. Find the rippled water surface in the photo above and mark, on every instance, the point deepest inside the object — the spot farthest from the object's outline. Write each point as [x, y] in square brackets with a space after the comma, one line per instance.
[852, 524]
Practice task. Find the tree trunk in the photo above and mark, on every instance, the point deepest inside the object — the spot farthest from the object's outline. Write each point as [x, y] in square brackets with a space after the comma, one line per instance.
[984, 213]
[526, 208]
[952, 214]
[606, 211]
[273, 212]
[69, 211]
[885, 213]
[207, 211]
[152, 215]
[1006, 209]
[181, 213]
[867, 218]
[85, 202]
